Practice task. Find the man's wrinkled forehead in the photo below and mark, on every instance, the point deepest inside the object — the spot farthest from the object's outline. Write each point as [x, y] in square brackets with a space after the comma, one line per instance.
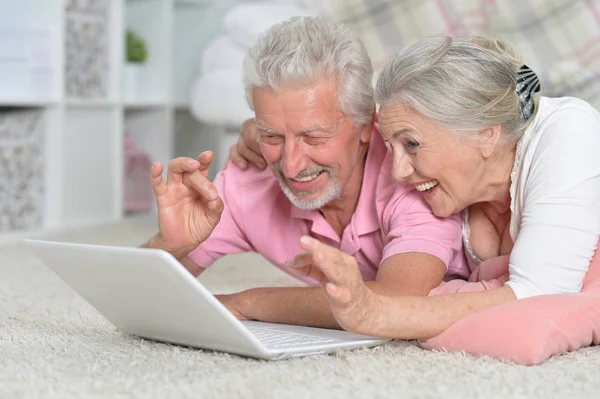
[324, 128]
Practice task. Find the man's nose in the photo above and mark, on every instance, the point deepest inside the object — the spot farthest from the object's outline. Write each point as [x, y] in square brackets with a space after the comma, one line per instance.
[293, 158]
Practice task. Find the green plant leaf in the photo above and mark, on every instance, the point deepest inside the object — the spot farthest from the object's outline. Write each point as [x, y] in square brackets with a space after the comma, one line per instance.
[135, 47]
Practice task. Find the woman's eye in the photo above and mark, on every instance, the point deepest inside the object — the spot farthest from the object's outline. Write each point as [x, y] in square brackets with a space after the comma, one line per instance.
[411, 145]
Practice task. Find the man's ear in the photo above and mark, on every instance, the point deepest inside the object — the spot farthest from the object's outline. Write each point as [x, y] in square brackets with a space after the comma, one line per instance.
[488, 139]
[367, 130]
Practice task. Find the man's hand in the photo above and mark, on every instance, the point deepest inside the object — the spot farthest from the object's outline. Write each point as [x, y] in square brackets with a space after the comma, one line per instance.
[247, 149]
[189, 206]
[235, 304]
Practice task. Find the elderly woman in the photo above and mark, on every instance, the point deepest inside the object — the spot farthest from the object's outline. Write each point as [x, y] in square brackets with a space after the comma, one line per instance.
[468, 133]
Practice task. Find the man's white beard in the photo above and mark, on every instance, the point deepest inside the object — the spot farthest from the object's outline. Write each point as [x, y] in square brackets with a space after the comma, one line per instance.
[332, 192]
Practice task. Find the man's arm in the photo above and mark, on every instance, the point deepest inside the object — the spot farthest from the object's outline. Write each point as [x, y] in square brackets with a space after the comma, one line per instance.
[413, 274]
[189, 264]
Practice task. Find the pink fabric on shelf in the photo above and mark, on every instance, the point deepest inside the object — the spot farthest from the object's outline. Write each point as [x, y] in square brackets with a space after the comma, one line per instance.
[527, 331]
[137, 191]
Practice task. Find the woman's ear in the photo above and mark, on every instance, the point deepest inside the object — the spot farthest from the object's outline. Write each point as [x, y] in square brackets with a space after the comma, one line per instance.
[488, 139]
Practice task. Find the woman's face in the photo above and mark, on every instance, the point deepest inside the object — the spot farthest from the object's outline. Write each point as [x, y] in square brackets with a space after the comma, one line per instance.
[442, 167]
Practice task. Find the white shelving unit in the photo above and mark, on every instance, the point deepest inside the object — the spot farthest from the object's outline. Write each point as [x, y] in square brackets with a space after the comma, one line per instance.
[64, 62]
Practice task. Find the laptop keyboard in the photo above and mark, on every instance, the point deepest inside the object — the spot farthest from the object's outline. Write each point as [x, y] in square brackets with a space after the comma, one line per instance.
[276, 339]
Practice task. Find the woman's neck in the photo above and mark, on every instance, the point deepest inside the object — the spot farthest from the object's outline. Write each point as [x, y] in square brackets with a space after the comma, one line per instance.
[497, 179]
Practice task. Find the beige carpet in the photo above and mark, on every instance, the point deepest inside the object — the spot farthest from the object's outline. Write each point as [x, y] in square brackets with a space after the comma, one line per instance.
[54, 345]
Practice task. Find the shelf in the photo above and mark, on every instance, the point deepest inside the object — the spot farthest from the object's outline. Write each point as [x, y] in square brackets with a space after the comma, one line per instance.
[137, 104]
[182, 106]
[203, 3]
[90, 103]
[84, 129]
[28, 102]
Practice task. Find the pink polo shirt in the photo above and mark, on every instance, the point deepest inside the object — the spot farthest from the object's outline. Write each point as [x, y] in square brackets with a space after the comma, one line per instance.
[390, 219]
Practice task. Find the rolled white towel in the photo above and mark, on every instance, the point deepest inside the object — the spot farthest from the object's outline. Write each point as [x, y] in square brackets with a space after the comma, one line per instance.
[246, 21]
[218, 98]
[222, 53]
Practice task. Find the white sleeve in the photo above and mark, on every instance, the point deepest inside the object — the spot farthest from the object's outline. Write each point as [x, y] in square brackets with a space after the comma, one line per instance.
[560, 223]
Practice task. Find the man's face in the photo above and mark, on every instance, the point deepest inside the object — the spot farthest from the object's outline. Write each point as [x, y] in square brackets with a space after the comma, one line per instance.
[310, 145]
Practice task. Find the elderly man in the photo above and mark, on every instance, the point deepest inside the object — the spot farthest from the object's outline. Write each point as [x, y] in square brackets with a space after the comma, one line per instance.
[329, 177]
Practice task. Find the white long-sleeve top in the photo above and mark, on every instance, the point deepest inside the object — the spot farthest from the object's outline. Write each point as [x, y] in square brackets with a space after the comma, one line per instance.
[555, 199]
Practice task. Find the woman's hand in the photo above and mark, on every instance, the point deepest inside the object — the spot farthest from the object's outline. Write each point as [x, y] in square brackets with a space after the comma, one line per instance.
[353, 304]
[247, 149]
[189, 206]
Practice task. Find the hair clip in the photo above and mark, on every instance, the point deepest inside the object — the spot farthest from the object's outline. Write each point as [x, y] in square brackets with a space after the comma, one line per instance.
[527, 84]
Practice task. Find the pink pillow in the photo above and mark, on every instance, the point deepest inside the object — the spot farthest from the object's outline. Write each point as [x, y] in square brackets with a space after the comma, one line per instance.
[528, 331]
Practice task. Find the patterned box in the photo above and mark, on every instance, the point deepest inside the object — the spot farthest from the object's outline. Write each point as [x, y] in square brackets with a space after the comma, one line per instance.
[88, 6]
[86, 53]
[21, 169]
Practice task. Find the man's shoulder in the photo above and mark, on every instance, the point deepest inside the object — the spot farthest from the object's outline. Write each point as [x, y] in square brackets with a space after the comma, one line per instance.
[251, 175]
[250, 187]
[389, 190]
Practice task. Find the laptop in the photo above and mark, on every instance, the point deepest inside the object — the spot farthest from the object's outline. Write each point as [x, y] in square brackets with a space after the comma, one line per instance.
[148, 293]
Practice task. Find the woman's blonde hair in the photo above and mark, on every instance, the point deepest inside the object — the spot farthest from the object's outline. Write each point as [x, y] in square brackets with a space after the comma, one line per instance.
[464, 85]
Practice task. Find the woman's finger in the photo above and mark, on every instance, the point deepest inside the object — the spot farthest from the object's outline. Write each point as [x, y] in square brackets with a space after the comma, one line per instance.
[310, 271]
[300, 260]
[253, 157]
[236, 158]
[338, 295]
[327, 259]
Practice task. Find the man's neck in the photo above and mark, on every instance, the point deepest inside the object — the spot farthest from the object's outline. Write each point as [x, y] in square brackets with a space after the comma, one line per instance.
[338, 213]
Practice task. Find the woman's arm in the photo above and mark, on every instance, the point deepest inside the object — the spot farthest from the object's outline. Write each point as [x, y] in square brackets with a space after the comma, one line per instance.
[358, 309]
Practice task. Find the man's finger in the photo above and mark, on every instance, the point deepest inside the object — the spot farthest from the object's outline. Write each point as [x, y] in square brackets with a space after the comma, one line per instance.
[156, 179]
[205, 158]
[178, 166]
[214, 210]
[200, 183]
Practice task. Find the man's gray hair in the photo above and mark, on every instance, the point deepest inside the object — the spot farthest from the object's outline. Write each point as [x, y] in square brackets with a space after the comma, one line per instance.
[464, 85]
[302, 51]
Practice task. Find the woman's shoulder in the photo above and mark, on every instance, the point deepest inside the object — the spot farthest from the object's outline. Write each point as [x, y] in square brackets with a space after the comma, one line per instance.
[560, 120]
[552, 108]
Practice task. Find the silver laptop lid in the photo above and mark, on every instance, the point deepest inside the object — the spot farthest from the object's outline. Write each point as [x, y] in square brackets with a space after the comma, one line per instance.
[147, 292]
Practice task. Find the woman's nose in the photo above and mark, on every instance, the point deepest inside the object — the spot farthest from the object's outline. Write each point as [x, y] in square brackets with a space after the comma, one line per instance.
[403, 167]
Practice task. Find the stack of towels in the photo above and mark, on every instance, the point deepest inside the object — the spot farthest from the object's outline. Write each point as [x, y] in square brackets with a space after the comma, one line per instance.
[217, 95]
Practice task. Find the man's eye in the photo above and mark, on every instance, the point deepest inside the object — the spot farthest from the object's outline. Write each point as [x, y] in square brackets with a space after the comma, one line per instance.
[313, 140]
[271, 138]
